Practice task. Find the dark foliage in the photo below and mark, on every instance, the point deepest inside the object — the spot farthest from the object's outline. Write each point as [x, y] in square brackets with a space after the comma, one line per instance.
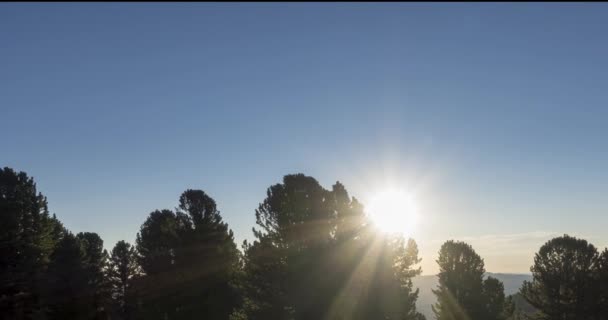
[122, 270]
[189, 259]
[565, 281]
[463, 294]
[28, 236]
[315, 257]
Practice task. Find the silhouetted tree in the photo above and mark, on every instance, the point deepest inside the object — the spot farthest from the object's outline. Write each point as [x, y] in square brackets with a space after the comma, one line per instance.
[493, 294]
[122, 269]
[76, 277]
[157, 240]
[296, 224]
[95, 261]
[564, 284]
[189, 258]
[460, 282]
[157, 243]
[462, 292]
[207, 259]
[28, 236]
[602, 283]
[390, 293]
[68, 279]
[315, 257]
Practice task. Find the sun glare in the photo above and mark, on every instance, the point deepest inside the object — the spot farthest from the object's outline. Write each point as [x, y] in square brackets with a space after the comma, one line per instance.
[393, 211]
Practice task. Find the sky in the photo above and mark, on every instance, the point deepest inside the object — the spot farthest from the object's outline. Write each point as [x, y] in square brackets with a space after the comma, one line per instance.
[493, 116]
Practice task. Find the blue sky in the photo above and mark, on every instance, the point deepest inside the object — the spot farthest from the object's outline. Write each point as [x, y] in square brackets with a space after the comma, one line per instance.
[494, 114]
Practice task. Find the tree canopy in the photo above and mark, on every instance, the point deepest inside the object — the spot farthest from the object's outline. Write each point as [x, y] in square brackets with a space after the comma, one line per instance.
[189, 259]
[306, 233]
[315, 255]
[463, 294]
[28, 237]
[565, 280]
[122, 270]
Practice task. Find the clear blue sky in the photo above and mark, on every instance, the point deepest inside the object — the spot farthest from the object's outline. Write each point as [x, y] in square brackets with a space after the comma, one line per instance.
[496, 114]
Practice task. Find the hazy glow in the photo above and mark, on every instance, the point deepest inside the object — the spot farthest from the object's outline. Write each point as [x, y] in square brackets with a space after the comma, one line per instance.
[393, 211]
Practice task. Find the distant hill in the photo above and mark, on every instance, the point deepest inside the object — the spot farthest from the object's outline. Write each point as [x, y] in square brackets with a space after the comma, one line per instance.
[511, 281]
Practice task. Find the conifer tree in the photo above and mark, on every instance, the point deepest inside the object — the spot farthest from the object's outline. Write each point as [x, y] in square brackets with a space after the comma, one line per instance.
[28, 236]
[565, 282]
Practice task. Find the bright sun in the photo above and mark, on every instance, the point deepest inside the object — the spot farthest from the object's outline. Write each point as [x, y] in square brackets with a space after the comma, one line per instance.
[393, 211]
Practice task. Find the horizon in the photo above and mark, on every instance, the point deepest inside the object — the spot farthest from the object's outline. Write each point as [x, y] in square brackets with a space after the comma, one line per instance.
[491, 116]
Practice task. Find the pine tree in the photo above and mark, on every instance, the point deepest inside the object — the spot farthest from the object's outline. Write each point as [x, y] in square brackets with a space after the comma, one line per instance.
[602, 283]
[157, 242]
[96, 264]
[316, 257]
[28, 236]
[496, 305]
[564, 284]
[69, 281]
[207, 259]
[122, 269]
[189, 259]
[463, 294]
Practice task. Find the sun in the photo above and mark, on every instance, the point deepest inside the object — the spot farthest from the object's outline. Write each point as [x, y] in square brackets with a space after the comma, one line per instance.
[393, 211]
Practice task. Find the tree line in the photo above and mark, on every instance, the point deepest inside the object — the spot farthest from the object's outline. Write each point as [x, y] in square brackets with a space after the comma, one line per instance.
[315, 255]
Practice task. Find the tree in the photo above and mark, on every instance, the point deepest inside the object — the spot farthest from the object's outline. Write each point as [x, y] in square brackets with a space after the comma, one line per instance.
[316, 257]
[516, 308]
[157, 242]
[189, 259]
[390, 291]
[207, 259]
[282, 263]
[462, 292]
[262, 283]
[602, 282]
[98, 291]
[496, 307]
[122, 269]
[28, 236]
[69, 281]
[76, 276]
[461, 272]
[564, 280]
